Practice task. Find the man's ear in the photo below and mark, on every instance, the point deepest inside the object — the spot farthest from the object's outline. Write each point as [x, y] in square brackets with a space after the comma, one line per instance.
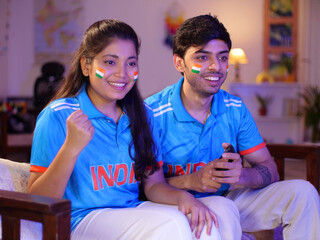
[84, 66]
[178, 63]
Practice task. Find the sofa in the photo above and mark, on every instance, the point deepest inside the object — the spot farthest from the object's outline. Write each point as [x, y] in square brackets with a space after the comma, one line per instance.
[55, 213]
[42, 217]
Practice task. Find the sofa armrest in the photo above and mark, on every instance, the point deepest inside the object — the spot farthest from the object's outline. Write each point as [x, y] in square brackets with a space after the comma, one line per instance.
[53, 213]
[309, 152]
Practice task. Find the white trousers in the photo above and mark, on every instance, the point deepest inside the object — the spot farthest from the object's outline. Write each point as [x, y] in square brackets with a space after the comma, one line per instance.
[294, 204]
[147, 221]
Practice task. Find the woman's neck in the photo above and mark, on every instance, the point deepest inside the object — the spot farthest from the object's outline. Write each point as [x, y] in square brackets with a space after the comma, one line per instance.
[110, 109]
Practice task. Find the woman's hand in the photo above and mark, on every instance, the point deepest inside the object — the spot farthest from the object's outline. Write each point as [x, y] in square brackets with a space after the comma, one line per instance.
[158, 190]
[54, 180]
[79, 131]
[200, 214]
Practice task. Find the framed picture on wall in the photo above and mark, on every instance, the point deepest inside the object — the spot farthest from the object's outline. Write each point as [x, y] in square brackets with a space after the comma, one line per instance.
[280, 39]
[58, 27]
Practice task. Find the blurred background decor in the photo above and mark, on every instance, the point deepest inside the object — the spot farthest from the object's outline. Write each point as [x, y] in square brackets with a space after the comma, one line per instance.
[311, 111]
[47, 84]
[264, 102]
[174, 17]
[236, 57]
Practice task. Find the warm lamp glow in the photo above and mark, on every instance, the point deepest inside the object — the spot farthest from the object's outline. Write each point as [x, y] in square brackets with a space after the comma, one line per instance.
[237, 56]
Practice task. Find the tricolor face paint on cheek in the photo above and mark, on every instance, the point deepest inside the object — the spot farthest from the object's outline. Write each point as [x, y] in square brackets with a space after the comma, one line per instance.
[196, 68]
[135, 76]
[100, 72]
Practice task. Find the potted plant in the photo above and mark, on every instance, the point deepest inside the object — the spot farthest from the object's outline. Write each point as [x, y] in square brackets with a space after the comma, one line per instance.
[311, 110]
[289, 64]
[263, 103]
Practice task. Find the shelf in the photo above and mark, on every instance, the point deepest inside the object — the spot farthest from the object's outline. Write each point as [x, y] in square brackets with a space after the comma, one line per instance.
[275, 85]
[276, 119]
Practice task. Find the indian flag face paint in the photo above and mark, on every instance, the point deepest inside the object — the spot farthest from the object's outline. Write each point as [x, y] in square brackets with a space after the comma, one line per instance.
[227, 68]
[135, 76]
[196, 68]
[100, 72]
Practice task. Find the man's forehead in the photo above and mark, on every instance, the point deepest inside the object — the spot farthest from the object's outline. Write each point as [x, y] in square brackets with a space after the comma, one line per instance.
[213, 46]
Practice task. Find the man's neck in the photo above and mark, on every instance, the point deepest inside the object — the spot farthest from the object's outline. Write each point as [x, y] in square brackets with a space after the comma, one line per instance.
[197, 105]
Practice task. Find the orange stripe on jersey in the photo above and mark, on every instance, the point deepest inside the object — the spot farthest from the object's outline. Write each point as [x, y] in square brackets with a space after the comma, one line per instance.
[251, 150]
[34, 168]
[159, 164]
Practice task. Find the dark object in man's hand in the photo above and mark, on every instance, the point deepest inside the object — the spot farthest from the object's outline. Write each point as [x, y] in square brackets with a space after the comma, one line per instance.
[229, 149]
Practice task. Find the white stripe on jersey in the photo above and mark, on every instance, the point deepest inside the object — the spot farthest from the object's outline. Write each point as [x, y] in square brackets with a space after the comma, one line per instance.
[232, 102]
[161, 107]
[64, 105]
[162, 112]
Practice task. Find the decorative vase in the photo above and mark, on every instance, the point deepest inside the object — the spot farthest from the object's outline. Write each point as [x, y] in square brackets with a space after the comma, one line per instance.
[263, 111]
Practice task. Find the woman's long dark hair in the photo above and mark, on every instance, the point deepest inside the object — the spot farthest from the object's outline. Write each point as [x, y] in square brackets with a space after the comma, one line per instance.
[95, 39]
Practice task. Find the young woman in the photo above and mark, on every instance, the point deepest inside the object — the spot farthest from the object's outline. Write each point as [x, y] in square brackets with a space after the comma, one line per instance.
[95, 143]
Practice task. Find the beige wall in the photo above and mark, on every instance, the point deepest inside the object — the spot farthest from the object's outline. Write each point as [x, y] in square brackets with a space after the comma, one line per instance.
[243, 19]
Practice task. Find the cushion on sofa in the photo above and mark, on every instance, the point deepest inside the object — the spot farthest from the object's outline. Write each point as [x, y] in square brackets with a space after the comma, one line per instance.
[14, 177]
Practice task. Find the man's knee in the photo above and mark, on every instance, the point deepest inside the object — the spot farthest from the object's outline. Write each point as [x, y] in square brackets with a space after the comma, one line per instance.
[221, 205]
[300, 187]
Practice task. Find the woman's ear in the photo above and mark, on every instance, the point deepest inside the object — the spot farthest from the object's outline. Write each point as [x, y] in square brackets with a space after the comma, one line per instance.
[178, 63]
[84, 66]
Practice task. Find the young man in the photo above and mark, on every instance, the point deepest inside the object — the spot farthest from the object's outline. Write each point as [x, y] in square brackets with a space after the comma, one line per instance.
[198, 120]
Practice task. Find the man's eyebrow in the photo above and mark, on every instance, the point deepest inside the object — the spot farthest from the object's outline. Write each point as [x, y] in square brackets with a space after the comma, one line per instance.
[207, 52]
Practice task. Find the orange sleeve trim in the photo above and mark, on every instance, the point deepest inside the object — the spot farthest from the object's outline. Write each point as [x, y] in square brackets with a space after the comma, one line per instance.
[34, 168]
[251, 150]
[159, 164]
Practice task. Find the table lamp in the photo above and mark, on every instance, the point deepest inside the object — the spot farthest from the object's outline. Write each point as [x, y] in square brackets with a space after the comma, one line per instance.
[237, 56]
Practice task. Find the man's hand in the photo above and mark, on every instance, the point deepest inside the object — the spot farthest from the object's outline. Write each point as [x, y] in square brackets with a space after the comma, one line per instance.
[202, 180]
[232, 170]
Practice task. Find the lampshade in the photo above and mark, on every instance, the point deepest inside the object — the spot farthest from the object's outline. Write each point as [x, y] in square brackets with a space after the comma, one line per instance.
[237, 55]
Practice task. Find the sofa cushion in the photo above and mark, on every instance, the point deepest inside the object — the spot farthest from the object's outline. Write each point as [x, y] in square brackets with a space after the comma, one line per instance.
[14, 175]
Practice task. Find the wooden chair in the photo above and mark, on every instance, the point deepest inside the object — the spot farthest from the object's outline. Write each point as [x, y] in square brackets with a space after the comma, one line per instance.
[53, 213]
[12, 143]
[310, 153]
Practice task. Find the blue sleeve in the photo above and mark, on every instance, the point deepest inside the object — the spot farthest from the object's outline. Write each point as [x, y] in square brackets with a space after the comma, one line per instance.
[248, 138]
[49, 135]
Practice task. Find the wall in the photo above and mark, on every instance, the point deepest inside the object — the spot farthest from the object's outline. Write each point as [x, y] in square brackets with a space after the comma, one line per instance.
[243, 19]
[244, 22]
[4, 19]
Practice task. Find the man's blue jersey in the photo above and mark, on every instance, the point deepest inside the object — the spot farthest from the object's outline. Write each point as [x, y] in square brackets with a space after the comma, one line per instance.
[187, 144]
[103, 176]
